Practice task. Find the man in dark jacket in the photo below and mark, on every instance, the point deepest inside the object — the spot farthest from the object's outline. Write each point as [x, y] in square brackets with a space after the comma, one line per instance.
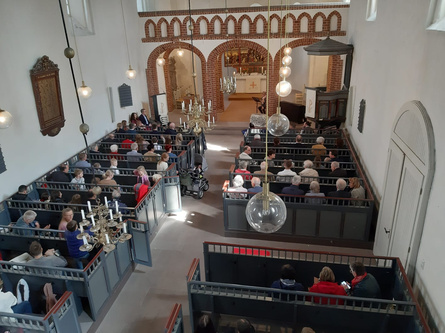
[364, 284]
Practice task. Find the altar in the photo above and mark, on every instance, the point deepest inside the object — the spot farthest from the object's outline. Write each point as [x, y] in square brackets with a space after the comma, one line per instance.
[250, 84]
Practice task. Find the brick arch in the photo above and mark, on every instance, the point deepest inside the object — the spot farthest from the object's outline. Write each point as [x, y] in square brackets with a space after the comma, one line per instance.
[212, 25]
[151, 71]
[338, 15]
[255, 20]
[215, 67]
[310, 23]
[275, 77]
[171, 28]
[147, 28]
[158, 27]
[288, 16]
[279, 23]
[185, 25]
[240, 23]
[226, 24]
[325, 26]
[198, 25]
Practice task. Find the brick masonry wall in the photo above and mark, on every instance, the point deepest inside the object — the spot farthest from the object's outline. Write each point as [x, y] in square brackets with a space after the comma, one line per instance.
[335, 73]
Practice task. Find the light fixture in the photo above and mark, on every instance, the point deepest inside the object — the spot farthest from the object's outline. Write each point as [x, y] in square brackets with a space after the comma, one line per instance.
[84, 91]
[266, 211]
[160, 61]
[287, 50]
[278, 123]
[180, 52]
[227, 83]
[104, 224]
[283, 88]
[5, 119]
[130, 73]
[285, 72]
[287, 60]
[196, 113]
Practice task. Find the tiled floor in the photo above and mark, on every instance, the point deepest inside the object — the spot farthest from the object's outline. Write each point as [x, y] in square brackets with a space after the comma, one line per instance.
[144, 304]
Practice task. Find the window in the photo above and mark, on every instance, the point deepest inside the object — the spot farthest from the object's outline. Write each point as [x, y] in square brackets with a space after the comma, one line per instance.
[80, 12]
[436, 15]
[371, 11]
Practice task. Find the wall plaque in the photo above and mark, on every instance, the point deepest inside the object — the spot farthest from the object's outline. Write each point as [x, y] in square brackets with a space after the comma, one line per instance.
[46, 87]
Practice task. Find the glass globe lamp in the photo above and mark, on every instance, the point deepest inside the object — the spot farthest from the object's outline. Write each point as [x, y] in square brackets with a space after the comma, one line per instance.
[283, 88]
[160, 61]
[287, 60]
[287, 50]
[180, 52]
[278, 124]
[130, 73]
[285, 71]
[84, 91]
[5, 119]
[266, 212]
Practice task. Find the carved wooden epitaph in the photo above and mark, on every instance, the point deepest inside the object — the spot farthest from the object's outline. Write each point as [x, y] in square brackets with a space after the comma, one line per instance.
[46, 87]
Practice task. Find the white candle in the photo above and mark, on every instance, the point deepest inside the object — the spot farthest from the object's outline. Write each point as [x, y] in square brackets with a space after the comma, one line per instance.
[106, 202]
[81, 230]
[199, 107]
[220, 82]
[125, 228]
[89, 206]
[183, 105]
[209, 105]
[213, 119]
[180, 121]
[111, 214]
[240, 69]
[190, 107]
[107, 238]
[202, 102]
[196, 126]
[188, 118]
[84, 240]
[92, 220]
[120, 218]
[117, 207]
[83, 214]
[208, 123]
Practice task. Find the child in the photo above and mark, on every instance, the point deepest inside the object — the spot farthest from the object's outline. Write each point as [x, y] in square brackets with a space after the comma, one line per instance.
[78, 180]
[113, 166]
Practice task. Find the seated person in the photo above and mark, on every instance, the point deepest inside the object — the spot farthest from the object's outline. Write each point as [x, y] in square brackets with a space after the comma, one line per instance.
[262, 170]
[134, 155]
[82, 163]
[319, 149]
[150, 155]
[337, 171]
[307, 129]
[287, 281]
[57, 197]
[113, 166]
[243, 169]
[28, 221]
[205, 325]
[22, 194]
[116, 196]
[325, 284]
[171, 130]
[299, 142]
[78, 181]
[8, 302]
[357, 191]
[61, 176]
[50, 258]
[244, 326]
[294, 189]
[67, 216]
[256, 185]
[340, 193]
[97, 167]
[287, 174]
[332, 157]
[313, 196]
[107, 180]
[257, 141]
[308, 174]
[238, 182]
[245, 155]
[74, 244]
[363, 284]
[168, 150]
[163, 162]
[271, 153]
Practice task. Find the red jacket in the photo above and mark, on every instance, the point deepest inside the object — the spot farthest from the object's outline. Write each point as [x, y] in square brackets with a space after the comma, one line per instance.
[325, 287]
[246, 176]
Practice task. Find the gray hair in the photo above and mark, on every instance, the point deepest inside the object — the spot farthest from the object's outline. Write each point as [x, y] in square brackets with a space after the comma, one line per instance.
[335, 164]
[341, 184]
[238, 181]
[255, 181]
[114, 148]
[314, 187]
[263, 165]
[156, 177]
[296, 180]
[243, 164]
[308, 164]
[116, 194]
[134, 146]
[320, 140]
[29, 216]
[257, 137]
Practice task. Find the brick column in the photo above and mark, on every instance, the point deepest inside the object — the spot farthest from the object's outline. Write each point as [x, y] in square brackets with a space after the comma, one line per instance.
[335, 72]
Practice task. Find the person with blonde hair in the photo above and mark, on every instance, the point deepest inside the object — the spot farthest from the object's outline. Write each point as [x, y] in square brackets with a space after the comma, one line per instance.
[113, 166]
[162, 163]
[357, 191]
[67, 216]
[325, 284]
[178, 140]
[142, 175]
[107, 179]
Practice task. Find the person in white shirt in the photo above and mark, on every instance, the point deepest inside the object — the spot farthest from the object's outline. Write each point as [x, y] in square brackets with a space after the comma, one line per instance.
[245, 155]
[8, 302]
[287, 174]
[237, 182]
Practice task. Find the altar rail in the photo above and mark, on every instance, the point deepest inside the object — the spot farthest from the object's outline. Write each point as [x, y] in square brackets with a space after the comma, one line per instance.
[61, 318]
[175, 322]
[238, 276]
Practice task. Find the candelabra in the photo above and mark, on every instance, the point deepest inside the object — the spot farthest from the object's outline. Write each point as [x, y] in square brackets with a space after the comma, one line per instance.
[104, 224]
[228, 85]
[196, 117]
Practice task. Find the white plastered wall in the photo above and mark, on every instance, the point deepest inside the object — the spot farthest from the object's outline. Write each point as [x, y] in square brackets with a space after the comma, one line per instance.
[397, 60]
[32, 29]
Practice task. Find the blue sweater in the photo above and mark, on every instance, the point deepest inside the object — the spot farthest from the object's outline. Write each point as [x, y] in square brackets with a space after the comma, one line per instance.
[73, 243]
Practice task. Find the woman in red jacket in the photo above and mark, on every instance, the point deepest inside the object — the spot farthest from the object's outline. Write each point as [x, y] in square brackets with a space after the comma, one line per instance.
[326, 285]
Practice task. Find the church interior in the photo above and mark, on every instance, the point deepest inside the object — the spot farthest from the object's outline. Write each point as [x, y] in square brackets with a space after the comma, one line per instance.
[166, 55]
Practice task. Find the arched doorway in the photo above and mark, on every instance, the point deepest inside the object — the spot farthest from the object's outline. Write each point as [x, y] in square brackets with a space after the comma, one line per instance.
[409, 173]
